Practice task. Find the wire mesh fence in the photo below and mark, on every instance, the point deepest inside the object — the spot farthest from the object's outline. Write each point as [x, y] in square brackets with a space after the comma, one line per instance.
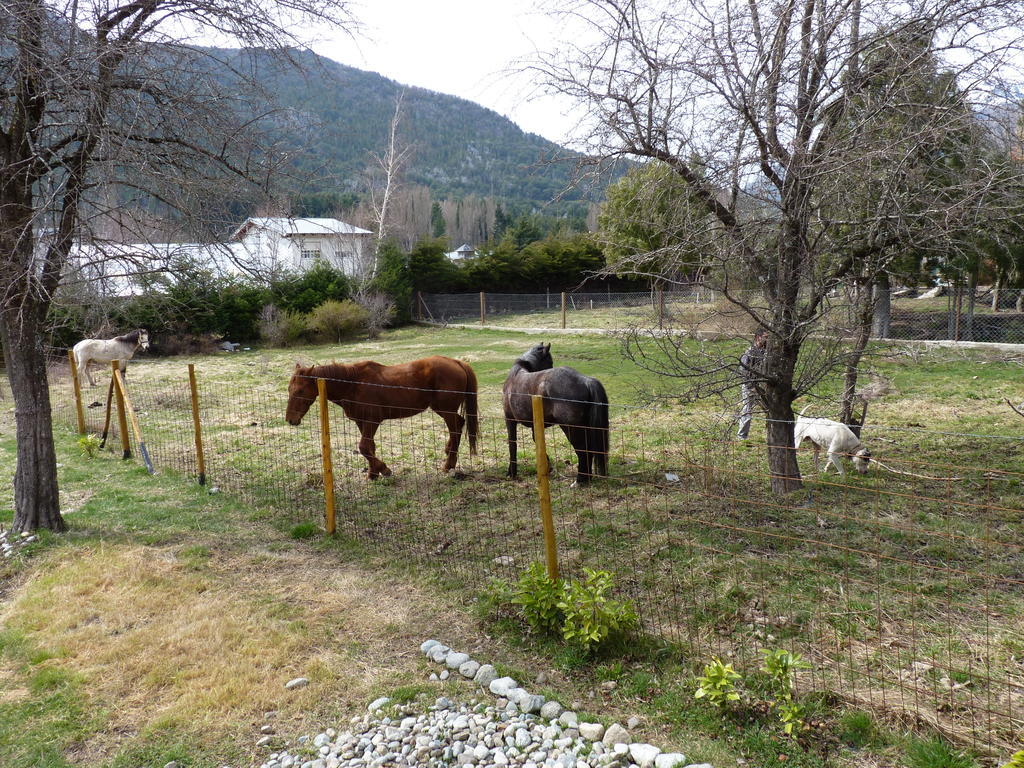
[904, 587]
[936, 315]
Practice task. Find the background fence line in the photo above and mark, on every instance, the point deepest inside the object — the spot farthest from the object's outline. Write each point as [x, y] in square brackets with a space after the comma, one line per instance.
[945, 317]
[906, 593]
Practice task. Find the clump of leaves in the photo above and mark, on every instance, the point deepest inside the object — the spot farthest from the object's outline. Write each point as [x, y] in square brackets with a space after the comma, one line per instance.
[590, 616]
[781, 666]
[89, 445]
[718, 684]
[1016, 760]
[539, 596]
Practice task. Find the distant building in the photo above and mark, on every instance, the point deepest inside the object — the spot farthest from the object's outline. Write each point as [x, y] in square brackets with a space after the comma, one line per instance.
[287, 243]
[464, 251]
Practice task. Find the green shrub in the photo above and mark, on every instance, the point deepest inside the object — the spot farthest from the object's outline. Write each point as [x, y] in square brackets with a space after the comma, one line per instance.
[539, 595]
[338, 320]
[935, 753]
[1016, 760]
[89, 445]
[781, 666]
[718, 684]
[282, 328]
[590, 616]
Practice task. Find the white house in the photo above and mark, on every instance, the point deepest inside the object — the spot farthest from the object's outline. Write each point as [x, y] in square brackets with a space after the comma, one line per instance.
[295, 243]
[464, 251]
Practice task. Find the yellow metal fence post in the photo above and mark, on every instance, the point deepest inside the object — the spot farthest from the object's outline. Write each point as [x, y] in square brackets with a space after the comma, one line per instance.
[483, 308]
[544, 487]
[197, 427]
[122, 417]
[78, 393]
[325, 452]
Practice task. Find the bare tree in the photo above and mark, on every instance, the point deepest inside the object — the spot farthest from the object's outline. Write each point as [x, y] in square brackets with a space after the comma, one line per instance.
[773, 115]
[103, 101]
[384, 179]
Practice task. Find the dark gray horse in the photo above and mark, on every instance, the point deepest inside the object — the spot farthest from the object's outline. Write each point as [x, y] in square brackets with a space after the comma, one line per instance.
[576, 403]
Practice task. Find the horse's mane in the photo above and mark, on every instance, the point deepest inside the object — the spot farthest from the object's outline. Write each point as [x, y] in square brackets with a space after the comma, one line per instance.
[333, 370]
[529, 359]
[132, 337]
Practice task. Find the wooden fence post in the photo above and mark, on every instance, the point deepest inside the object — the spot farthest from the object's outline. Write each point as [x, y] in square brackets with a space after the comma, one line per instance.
[419, 305]
[325, 453]
[563, 309]
[197, 425]
[127, 403]
[122, 418]
[544, 487]
[78, 393]
[483, 308]
[661, 307]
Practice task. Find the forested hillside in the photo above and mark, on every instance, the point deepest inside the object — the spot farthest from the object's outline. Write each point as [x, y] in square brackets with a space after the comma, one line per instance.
[340, 115]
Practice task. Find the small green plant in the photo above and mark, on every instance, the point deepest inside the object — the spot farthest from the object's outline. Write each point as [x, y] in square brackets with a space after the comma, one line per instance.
[89, 445]
[304, 530]
[1016, 760]
[540, 596]
[718, 684]
[590, 616]
[781, 666]
[935, 753]
[791, 715]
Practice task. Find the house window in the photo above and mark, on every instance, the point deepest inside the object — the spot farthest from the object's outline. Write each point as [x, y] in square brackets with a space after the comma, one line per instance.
[310, 254]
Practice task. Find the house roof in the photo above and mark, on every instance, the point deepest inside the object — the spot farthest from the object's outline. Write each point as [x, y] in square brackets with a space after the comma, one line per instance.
[290, 227]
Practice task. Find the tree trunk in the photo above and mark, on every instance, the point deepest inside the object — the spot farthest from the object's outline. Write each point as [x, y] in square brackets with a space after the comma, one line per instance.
[882, 314]
[777, 398]
[995, 291]
[972, 288]
[867, 317]
[36, 503]
[785, 472]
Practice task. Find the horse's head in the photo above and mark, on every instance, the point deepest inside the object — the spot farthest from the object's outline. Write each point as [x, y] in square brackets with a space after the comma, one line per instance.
[143, 339]
[537, 358]
[301, 394]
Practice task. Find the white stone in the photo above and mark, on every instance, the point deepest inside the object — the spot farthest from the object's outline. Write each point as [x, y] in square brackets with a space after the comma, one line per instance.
[568, 719]
[454, 659]
[485, 675]
[298, 682]
[502, 686]
[378, 703]
[700, 765]
[427, 645]
[551, 710]
[592, 731]
[469, 668]
[643, 754]
[438, 653]
[615, 734]
[669, 760]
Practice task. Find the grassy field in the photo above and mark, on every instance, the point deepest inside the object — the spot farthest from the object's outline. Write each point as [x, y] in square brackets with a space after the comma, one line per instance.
[904, 592]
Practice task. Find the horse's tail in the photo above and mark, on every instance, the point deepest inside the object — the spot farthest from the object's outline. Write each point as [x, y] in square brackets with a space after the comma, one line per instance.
[597, 426]
[469, 405]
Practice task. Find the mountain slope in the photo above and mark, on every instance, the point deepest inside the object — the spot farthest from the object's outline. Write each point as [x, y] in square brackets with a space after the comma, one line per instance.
[342, 115]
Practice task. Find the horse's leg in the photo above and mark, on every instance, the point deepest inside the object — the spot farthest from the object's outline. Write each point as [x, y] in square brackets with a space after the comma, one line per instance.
[368, 448]
[578, 440]
[455, 422]
[88, 373]
[513, 438]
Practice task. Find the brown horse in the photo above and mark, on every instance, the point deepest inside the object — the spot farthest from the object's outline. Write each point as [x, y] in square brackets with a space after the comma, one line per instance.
[369, 393]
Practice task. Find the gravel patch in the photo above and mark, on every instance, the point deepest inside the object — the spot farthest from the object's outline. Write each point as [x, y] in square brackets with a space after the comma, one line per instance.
[516, 728]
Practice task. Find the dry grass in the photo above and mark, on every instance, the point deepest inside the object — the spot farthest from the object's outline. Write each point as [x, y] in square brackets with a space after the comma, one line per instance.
[161, 639]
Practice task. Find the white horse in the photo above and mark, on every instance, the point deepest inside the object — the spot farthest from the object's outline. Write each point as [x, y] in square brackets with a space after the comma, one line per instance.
[104, 350]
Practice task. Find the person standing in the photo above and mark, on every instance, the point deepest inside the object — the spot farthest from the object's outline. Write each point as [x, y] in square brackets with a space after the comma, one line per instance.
[750, 368]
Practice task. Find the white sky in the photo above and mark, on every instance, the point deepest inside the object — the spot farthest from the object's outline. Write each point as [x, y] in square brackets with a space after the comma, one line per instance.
[459, 47]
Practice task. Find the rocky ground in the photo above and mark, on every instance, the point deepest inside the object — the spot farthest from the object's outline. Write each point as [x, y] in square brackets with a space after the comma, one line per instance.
[514, 728]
